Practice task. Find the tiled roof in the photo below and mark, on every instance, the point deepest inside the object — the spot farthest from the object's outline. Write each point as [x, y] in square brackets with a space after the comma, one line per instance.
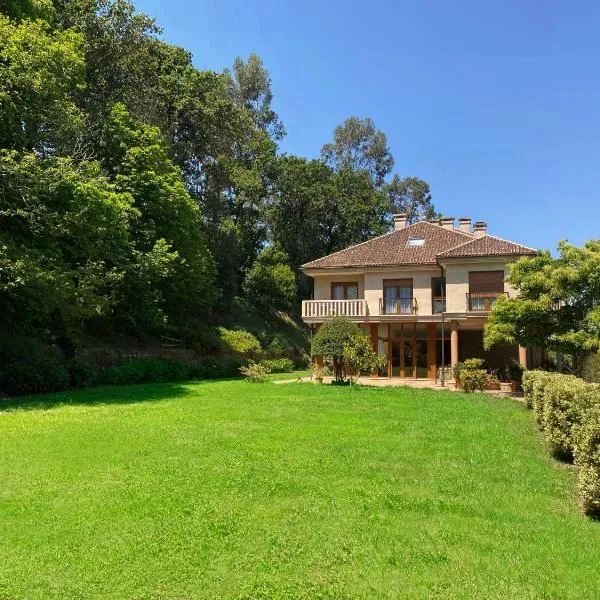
[390, 249]
[439, 242]
[488, 245]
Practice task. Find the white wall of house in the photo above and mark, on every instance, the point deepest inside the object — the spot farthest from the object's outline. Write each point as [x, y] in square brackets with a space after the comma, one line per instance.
[370, 283]
[457, 281]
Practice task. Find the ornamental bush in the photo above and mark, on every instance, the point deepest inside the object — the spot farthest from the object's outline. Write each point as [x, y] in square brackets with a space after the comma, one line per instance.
[331, 338]
[590, 369]
[538, 392]
[587, 460]
[529, 378]
[561, 411]
[238, 341]
[474, 380]
[278, 365]
[254, 372]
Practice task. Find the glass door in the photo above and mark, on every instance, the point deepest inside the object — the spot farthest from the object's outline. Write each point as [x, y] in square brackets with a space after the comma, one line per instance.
[395, 358]
[408, 363]
[421, 356]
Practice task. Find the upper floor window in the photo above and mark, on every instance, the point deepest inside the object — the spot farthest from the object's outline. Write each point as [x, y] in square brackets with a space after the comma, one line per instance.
[344, 291]
[397, 296]
[484, 288]
[438, 294]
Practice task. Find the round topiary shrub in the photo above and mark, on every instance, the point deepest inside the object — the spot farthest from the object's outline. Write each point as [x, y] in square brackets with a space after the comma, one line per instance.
[474, 380]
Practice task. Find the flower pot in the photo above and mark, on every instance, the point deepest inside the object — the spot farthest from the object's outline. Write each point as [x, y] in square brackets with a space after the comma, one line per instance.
[506, 386]
[516, 385]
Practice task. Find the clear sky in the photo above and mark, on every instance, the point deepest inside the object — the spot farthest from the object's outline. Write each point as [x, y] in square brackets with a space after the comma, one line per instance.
[494, 104]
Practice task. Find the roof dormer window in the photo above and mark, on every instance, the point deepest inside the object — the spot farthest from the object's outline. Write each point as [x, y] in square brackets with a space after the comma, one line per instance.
[415, 243]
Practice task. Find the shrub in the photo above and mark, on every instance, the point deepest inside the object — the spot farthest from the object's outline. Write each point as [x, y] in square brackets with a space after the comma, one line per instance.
[82, 373]
[33, 368]
[360, 356]
[473, 380]
[590, 369]
[278, 365]
[457, 370]
[240, 342]
[254, 372]
[216, 368]
[561, 411]
[146, 370]
[329, 341]
[473, 363]
[529, 378]
[514, 370]
[587, 460]
[538, 393]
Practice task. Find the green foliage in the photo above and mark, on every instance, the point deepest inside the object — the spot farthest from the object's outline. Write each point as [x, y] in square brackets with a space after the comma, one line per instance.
[470, 364]
[457, 370]
[360, 356]
[539, 395]
[30, 367]
[250, 88]
[587, 459]
[473, 380]
[556, 308]
[358, 146]
[590, 368]
[278, 365]
[562, 410]
[255, 372]
[410, 196]
[529, 379]
[216, 368]
[240, 342]
[40, 73]
[332, 336]
[271, 284]
[146, 370]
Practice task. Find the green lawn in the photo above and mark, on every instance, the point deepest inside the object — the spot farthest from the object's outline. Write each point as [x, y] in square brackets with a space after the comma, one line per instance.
[234, 490]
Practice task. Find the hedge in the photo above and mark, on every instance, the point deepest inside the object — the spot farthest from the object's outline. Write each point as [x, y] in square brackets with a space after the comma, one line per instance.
[587, 460]
[561, 411]
[568, 411]
[278, 365]
[538, 396]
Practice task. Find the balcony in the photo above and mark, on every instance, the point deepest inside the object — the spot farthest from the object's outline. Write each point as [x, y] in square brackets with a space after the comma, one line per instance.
[325, 309]
[438, 304]
[483, 301]
[397, 306]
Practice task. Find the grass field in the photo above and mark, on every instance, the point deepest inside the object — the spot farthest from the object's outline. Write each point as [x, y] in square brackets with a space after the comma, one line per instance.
[234, 490]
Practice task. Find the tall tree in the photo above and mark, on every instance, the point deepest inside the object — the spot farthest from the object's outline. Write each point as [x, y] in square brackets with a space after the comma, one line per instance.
[358, 145]
[335, 210]
[410, 195]
[250, 87]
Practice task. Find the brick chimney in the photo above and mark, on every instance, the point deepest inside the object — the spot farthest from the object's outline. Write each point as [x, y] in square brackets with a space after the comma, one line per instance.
[464, 224]
[399, 221]
[448, 222]
[480, 229]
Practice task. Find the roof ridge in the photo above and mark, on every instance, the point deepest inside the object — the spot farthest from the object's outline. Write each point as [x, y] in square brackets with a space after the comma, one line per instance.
[509, 242]
[464, 244]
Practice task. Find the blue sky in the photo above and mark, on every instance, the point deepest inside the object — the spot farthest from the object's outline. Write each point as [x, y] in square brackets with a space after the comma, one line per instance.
[495, 104]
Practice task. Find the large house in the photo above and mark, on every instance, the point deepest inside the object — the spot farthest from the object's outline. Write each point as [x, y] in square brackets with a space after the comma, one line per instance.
[422, 292]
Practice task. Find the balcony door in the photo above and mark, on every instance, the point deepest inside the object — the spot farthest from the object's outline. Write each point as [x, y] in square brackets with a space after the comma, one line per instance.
[398, 296]
[344, 291]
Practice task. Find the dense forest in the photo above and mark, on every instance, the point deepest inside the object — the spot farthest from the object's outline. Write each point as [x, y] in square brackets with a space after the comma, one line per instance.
[143, 196]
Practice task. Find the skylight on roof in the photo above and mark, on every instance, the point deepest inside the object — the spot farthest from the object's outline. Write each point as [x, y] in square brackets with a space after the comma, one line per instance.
[414, 242]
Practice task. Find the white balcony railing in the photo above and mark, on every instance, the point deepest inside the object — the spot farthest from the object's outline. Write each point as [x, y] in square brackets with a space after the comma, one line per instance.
[319, 309]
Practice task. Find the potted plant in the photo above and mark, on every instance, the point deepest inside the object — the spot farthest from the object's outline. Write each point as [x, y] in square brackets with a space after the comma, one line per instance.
[319, 372]
[504, 377]
[515, 374]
